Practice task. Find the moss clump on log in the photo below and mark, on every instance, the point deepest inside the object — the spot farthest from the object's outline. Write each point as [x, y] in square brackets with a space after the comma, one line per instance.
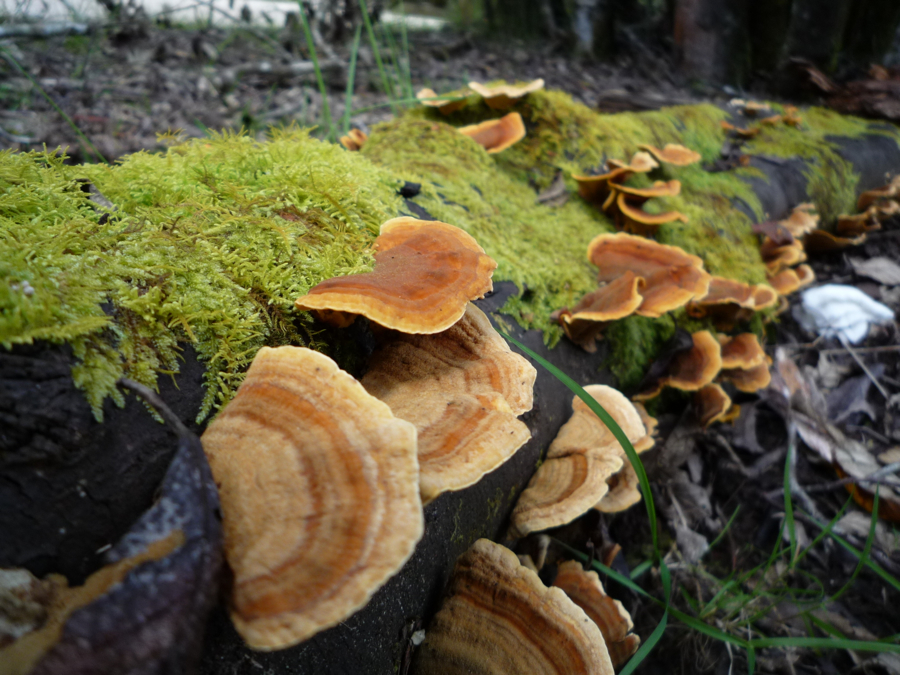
[211, 242]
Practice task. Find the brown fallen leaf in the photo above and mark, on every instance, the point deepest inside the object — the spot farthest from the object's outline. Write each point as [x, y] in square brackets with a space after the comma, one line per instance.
[883, 270]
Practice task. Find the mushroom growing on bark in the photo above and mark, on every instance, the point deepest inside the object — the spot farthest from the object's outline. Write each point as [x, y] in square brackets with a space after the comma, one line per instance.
[462, 389]
[319, 484]
[581, 459]
[425, 274]
[500, 619]
[505, 96]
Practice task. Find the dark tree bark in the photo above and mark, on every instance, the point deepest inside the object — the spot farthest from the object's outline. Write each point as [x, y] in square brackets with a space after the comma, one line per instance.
[711, 40]
[817, 29]
[870, 30]
[770, 22]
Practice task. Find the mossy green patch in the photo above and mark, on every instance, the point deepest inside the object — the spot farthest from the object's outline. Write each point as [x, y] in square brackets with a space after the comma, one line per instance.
[211, 243]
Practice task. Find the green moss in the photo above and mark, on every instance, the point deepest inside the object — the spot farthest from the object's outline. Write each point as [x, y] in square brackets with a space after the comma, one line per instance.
[210, 244]
[540, 248]
[831, 180]
[212, 241]
[634, 344]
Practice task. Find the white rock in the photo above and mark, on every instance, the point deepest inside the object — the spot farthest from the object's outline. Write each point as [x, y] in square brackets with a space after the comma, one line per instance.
[835, 310]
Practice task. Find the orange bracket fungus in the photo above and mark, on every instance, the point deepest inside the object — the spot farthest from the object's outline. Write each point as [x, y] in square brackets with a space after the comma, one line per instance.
[692, 369]
[674, 154]
[711, 404]
[354, 140]
[672, 277]
[598, 189]
[425, 274]
[319, 485]
[496, 135]
[632, 218]
[729, 301]
[462, 389]
[792, 279]
[611, 617]
[580, 460]
[500, 619]
[446, 106]
[616, 300]
[505, 96]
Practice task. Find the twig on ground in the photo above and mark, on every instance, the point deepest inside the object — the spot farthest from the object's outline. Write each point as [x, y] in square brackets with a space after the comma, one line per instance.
[859, 362]
[881, 438]
[858, 350]
[154, 399]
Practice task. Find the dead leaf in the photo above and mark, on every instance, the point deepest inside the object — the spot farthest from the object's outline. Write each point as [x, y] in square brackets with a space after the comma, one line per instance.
[830, 373]
[883, 270]
[554, 194]
[857, 524]
[850, 397]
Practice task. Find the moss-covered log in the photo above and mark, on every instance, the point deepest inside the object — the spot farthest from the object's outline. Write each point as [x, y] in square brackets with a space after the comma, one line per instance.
[199, 263]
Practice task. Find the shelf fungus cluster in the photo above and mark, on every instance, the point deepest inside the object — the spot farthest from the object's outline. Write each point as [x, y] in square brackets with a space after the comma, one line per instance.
[322, 478]
[739, 360]
[496, 135]
[585, 467]
[875, 206]
[783, 254]
[500, 619]
[639, 276]
[625, 203]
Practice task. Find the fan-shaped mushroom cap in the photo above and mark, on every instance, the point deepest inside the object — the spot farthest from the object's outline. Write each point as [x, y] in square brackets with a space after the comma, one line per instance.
[596, 189]
[445, 106]
[354, 139]
[743, 132]
[672, 153]
[724, 291]
[507, 95]
[711, 404]
[624, 490]
[500, 619]
[692, 369]
[889, 191]
[611, 617]
[462, 389]
[802, 220]
[671, 288]
[425, 274]
[748, 380]
[319, 485]
[618, 253]
[496, 135]
[792, 279]
[660, 188]
[861, 223]
[581, 458]
[634, 219]
[641, 162]
[650, 424]
[764, 296]
[818, 241]
[615, 300]
[777, 258]
[741, 351]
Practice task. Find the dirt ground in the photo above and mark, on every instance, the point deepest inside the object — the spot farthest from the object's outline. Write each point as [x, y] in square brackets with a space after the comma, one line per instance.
[123, 89]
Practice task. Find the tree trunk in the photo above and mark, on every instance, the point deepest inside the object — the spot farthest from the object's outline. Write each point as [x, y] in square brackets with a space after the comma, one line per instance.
[870, 30]
[770, 21]
[817, 29]
[711, 40]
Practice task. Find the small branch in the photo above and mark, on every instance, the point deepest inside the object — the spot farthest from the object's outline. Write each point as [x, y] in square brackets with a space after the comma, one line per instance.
[879, 477]
[42, 30]
[153, 399]
[859, 362]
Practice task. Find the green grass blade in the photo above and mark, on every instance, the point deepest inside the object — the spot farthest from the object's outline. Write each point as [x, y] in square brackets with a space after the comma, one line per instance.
[871, 564]
[867, 550]
[351, 81]
[647, 646]
[827, 531]
[376, 52]
[600, 567]
[724, 529]
[751, 660]
[616, 430]
[314, 57]
[639, 570]
[404, 37]
[91, 148]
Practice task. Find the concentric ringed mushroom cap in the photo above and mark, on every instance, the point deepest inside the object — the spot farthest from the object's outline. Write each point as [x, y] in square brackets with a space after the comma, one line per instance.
[463, 389]
[496, 135]
[741, 351]
[425, 274]
[672, 153]
[319, 485]
[692, 369]
[711, 403]
[500, 619]
[611, 617]
[618, 253]
[580, 460]
[507, 95]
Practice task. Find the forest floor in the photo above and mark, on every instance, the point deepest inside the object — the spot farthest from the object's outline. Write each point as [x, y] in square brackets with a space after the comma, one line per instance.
[726, 487]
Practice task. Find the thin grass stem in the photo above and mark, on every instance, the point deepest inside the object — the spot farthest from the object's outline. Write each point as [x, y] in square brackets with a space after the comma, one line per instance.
[376, 52]
[313, 56]
[351, 81]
